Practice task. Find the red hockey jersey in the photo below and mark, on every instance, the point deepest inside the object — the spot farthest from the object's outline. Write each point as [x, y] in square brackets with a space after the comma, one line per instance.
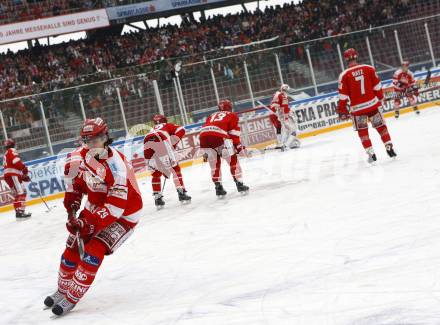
[222, 124]
[171, 133]
[361, 84]
[166, 131]
[12, 164]
[403, 80]
[110, 185]
[280, 103]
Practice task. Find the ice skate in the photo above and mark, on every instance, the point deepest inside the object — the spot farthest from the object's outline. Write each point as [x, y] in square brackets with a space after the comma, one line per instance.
[158, 201]
[184, 198]
[219, 190]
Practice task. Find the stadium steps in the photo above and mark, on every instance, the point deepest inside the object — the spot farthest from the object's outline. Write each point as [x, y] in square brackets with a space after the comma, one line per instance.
[73, 123]
[303, 69]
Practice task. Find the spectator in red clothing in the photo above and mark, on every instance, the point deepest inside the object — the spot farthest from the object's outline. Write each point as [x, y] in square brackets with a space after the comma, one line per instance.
[65, 65]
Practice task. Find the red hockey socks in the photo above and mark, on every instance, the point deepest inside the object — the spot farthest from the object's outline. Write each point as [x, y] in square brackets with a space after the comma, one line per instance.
[383, 132]
[19, 202]
[177, 177]
[156, 182]
[86, 271]
[365, 138]
[68, 265]
[235, 167]
[215, 163]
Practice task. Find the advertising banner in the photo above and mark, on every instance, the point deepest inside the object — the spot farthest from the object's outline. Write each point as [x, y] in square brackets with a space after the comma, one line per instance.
[51, 26]
[314, 114]
[150, 7]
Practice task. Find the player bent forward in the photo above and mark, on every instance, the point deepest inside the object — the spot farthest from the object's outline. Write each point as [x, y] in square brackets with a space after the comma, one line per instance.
[112, 209]
[159, 152]
[220, 138]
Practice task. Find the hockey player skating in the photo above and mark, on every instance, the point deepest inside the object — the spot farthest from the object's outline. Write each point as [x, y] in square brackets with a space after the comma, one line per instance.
[112, 209]
[15, 173]
[361, 85]
[284, 120]
[220, 138]
[404, 85]
[159, 146]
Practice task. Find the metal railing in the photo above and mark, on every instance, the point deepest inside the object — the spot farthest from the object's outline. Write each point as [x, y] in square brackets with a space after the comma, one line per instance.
[44, 123]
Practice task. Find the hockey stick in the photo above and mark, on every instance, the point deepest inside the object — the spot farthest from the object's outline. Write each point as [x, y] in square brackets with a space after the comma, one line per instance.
[270, 111]
[163, 186]
[72, 215]
[274, 148]
[267, 108]
[283, 124]
[425, 82]
[400, 96]
[44, 201]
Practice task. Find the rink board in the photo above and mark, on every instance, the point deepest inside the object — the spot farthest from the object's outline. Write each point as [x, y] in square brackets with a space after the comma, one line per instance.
[315, 115]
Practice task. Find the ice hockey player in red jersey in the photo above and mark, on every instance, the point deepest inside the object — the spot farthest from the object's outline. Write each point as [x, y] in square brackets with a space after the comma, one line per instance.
[159, 152]
[220, 138]
[404, 85]
[15, 173]
[284, 120]
[112, 209]
[360, 84]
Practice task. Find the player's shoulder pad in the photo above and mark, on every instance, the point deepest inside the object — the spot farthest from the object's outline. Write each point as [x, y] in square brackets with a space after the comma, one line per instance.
[119, 158]
[356, 67]
[118, 167]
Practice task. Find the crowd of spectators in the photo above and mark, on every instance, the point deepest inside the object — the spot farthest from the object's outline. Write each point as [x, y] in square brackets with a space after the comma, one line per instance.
[43, 68]
[13, 11]
[65, 63]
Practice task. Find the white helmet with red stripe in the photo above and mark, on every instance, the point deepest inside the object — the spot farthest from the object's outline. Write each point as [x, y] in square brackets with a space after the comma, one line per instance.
[284, 87]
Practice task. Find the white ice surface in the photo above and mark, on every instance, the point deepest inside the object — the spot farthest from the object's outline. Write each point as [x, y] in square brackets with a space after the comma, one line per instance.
[322, 238]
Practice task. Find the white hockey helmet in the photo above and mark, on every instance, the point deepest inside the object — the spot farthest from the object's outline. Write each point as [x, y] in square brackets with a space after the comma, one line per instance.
[284, 87]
